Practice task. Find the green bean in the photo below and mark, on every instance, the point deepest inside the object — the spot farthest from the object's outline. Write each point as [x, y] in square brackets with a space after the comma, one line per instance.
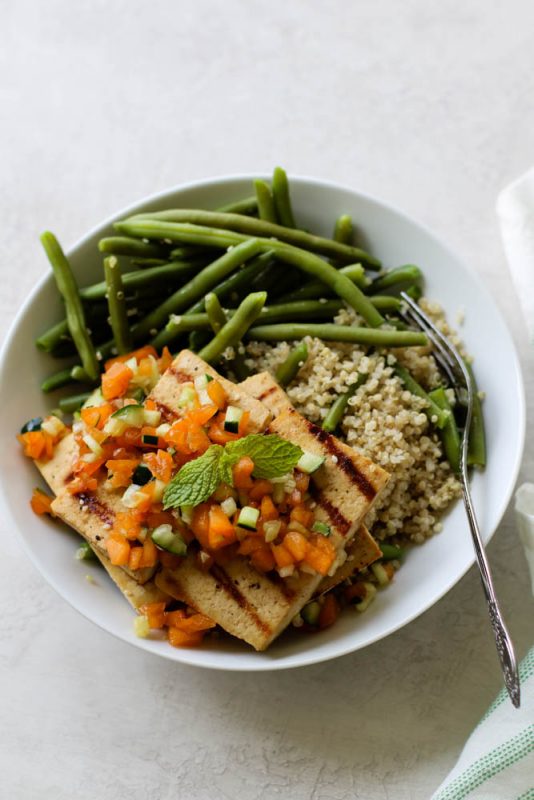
[247, 206]
[476, 454]
[214, 312]
[450, 438]
[299, 310]
[232, 286]
[57, 381]
[196, 287]
[213, 229]
[386, 302]
[78, 373]
[415, 292]
[391, 552]
[128, 246]
[331, 332]
[68, 288]
[54, 336]
[438, 416]
[313, 289]
[343, 230]
[396, 279]
[142, 278]
[289, 368]
[217, 319]
[190, 251]
[307, 262]
[266, 209]
[281, 198]
[117, 306]
[73, 403]
[236, 327]
[148, 263]
[337, 410]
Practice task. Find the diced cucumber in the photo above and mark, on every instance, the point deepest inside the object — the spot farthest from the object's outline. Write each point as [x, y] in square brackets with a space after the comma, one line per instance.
[163, 429]
[147, 438]
[133, 415]
[232, 419]
[186, 513]
[141, 627]
[248, 518]
[165, 538]
[53, 426]
[370, 593]
[380, 573]
[271, 529]
[142, 475]
[201, 381]
[322, 528]
[131, 498]
[187, 397]
[159, 488]
[115, 427]
[310, 613]
[94, 446]
[138, 395]
[229, 506]
[309, 462]
[96, 398]
[32, 425]
[132, 364]
[152, 417]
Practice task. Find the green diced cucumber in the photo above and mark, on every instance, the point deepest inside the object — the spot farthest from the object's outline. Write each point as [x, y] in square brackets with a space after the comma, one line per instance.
[309, 462]
[232, 419]
[310, 613]
[187, 397]
[322, 528]
[165, 538]
[152, 417]
[32, 425]
[147, 438]
[133, 415]
[248, 518]
[380, 573]
[85, 552]
[96, 398]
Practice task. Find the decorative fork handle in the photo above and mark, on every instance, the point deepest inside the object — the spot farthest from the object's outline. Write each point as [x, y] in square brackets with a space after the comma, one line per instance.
[502, 637]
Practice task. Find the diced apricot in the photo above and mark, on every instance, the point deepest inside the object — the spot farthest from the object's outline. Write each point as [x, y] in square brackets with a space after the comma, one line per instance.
[155, 612]
[268, 509]
[189, 624]
[121, 471]
[263, 559]
[260, 488]
[199, 416]
[243, 424]
[200, 524]
[242, 473]
[160, 464]
[297, 544]
[165, 360]
[128, 523]
[250, 545]
[37, 444]
[136, 556]
[81, 484]
[139, 354]
[41, 503]
[282, 556]
[197, 439]
[118, 550]
[221, 531]
[116, 380]
[178, 638]
[318, 560]
[150, 553]
[303, 515]
[217, 394]
[302, 481]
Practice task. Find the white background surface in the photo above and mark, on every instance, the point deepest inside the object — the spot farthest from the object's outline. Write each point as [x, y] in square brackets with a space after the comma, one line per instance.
[102, 103]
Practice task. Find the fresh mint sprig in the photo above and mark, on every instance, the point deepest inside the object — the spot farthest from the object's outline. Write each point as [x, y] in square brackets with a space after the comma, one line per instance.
[197, 480]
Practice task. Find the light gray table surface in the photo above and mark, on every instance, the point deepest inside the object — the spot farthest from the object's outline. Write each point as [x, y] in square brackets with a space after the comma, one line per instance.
[426, 105]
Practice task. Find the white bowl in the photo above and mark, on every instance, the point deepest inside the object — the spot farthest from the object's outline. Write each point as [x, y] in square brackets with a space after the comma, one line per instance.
[429, 571]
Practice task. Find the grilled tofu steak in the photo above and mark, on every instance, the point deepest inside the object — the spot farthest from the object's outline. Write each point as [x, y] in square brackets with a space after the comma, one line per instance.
[186, 367]
[264, 388]
[254, 606]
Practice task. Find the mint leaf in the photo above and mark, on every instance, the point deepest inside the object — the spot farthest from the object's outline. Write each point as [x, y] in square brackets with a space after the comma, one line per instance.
[195, 481]
[272, 455]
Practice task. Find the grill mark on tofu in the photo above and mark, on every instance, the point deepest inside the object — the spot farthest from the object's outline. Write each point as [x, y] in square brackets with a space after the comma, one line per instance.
[343, 461]
[228, 585]
[338, 520]
[95, 506]
[167, 413]
[267, 392]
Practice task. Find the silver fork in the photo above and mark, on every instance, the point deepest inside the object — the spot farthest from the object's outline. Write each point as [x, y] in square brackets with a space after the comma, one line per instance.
[452, 365]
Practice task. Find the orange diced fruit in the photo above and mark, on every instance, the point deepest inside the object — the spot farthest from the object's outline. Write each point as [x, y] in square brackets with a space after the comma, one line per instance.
[263, 559]
[242, 473]
[155, 613]
[282, 556]
[268, 510]
[116, 380]
[178, 638]
[118, 550]
[329, 611]
[221, 531]
[297, 544]
[260, 488]
[41, 503]
[216, 394]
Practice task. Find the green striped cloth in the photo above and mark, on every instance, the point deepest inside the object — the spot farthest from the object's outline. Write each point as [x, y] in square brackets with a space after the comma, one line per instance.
[497, 762]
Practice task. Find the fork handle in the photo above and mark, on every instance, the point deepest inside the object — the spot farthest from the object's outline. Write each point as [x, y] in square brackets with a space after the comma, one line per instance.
[502, 637]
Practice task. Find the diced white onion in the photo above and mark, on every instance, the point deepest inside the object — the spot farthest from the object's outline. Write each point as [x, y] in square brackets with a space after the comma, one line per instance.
[271, 529]
[229, 506]
[131, 497]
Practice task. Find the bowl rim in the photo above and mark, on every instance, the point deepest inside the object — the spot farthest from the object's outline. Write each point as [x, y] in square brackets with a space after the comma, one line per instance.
[307, 657]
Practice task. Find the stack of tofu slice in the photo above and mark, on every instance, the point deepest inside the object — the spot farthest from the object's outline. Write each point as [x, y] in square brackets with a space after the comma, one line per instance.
[248, 604]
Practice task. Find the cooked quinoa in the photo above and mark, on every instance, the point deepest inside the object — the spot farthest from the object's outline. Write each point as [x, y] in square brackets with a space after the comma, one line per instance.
[384, 421]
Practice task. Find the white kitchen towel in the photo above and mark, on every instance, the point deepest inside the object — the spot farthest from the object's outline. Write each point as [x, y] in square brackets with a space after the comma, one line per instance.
[497, 762]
